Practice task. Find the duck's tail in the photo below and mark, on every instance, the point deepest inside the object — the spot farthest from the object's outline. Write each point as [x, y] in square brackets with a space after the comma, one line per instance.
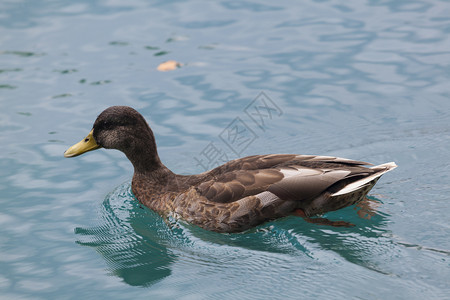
[369, 180]
[387, 166]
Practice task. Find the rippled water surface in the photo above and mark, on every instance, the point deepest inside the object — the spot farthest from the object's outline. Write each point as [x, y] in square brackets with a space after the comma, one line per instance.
[367, 80]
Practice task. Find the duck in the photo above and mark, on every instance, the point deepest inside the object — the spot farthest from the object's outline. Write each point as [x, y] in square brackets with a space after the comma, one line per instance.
[240, 194]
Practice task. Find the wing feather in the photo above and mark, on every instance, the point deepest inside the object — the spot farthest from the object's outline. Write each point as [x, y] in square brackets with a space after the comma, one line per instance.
[288, 176]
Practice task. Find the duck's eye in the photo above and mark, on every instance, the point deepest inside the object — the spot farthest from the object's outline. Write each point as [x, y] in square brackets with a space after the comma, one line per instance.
[107, 125]
[103, 125]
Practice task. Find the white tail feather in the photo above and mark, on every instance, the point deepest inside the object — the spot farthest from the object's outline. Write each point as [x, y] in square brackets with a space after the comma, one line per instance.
[384, 168]
[390, 165]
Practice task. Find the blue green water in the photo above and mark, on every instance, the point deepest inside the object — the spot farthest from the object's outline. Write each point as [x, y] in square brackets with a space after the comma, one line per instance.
[366, 80]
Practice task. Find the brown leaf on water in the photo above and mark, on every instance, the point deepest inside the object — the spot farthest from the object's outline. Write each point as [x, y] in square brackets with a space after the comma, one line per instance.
[168, 66]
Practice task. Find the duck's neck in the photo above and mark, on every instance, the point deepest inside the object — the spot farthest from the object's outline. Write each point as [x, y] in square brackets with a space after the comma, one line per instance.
[142, 153]
[146, 161]
[160, 175]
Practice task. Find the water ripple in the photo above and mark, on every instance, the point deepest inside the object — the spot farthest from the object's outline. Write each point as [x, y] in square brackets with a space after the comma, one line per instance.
[364, 80]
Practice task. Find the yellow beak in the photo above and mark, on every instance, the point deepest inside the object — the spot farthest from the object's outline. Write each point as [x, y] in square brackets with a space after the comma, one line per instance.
[87, 144]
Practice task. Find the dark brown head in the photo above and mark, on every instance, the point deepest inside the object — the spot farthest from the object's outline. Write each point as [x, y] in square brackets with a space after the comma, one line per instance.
[124, 129]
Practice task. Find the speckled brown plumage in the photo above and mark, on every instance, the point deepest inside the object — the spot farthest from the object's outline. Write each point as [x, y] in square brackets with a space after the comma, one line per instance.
[241, 193]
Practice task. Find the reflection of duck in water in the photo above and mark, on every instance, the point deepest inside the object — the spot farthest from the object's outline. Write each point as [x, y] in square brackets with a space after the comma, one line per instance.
[239, 194]
[133, 248]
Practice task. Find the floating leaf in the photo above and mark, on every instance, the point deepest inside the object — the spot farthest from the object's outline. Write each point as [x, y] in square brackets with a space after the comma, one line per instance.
[161, 53]
[168, 66]
[62, 96]
[67, 71]
[100, 82]
[10, 70]
[22, 53]
[151, 48]
[7, 86]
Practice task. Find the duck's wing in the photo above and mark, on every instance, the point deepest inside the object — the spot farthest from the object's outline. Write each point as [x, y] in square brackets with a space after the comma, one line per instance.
[289, 177]
[256, 162]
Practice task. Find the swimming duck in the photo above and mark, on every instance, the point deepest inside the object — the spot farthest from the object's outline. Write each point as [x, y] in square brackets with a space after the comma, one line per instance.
[235, 196]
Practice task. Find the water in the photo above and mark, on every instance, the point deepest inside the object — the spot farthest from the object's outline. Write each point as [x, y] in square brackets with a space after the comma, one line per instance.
[364, 80]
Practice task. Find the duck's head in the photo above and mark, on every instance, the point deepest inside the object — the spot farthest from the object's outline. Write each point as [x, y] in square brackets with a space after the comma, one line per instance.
[121, 128]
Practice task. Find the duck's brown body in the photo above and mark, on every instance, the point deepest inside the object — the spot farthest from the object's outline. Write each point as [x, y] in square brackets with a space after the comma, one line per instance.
[248, 191]
[239, 194]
